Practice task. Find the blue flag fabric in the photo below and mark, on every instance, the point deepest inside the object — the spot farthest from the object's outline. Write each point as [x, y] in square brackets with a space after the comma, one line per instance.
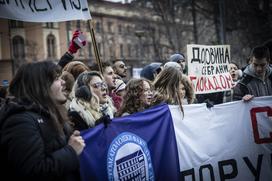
[141, 146]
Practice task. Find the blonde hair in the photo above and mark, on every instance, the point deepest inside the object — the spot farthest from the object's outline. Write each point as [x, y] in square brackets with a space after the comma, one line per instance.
[167, 84]
[93, 105]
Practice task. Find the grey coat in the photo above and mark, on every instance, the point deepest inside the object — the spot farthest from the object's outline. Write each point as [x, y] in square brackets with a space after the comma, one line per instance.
[252, 84]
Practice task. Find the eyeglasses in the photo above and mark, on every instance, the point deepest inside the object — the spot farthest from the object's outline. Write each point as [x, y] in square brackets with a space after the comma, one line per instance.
[99, 85]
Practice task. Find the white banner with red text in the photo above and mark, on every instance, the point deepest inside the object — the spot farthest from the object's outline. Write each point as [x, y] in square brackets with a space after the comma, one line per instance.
[208, 68]
[228, 141]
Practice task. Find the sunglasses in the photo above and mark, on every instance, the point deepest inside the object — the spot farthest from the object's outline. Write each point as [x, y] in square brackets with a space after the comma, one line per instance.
[99, 85]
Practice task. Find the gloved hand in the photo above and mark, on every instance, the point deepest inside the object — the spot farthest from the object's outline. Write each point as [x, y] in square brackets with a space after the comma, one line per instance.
[73, 46]
[209, 103]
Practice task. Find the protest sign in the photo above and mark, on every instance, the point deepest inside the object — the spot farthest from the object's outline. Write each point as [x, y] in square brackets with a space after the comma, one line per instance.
[208, 68]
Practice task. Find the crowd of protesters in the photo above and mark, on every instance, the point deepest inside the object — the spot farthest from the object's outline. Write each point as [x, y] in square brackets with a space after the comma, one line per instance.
[46, 105]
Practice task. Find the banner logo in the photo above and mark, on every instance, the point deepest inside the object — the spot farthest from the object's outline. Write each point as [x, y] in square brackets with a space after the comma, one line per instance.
[129, 159]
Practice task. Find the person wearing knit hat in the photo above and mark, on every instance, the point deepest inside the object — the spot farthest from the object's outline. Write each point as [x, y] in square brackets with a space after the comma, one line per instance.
[151, 70]
[180, 59]
[172, 64]
[120, 87]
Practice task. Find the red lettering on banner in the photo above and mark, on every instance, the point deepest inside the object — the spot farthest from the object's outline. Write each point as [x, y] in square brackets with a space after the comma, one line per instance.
[201, 85]
[192, 78]
[210, 85]
[223, 82]
[254, 122]
[214, 83]
[229, 80]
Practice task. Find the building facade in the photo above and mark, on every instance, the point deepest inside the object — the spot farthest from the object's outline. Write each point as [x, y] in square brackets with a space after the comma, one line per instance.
[122, 31]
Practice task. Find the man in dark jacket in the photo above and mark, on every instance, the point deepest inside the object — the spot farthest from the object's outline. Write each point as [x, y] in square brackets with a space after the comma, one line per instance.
[257, 77]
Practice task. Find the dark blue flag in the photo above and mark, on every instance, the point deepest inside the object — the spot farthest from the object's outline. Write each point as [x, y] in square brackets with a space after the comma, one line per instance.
[141, 146]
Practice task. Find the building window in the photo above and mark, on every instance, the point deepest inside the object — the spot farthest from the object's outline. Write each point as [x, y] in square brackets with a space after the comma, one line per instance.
[78, 24]
[147, 50]
[121, 50]
[128, 29]
[16, 24]
[129, 50]
[120, 29]
[137, 52]
[109, 26]
[18, 45]
[98, 27]
[112, 53]
[90, 49]
[51, 46]
[49, 25]
[68, 25]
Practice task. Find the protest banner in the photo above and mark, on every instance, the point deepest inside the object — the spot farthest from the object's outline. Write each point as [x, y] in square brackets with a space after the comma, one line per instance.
[228, 141]
[208, 68]
[45, 11]
[132, 148]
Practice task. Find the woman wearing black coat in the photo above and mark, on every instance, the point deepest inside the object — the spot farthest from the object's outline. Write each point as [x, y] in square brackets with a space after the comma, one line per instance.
[37, 142]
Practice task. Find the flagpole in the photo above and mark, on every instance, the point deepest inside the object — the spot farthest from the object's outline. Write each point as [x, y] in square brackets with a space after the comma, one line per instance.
[97, 57]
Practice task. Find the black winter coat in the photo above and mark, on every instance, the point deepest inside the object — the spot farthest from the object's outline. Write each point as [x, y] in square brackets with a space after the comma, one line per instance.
[31, 149]
[65, 59]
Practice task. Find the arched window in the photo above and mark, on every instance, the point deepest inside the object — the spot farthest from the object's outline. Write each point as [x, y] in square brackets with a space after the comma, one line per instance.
[51, 46]
[129, 50]
[98, 27]
[121, 50]
[18, 45]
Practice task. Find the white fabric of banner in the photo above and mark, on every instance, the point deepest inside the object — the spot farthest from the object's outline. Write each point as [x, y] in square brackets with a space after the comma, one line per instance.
[228, 141]
[45, 11]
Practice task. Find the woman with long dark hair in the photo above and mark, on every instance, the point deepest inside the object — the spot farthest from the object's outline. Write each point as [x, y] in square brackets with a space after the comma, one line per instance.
[37, 142]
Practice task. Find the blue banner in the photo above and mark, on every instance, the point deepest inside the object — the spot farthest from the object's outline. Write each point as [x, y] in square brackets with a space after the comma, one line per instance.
[141, 146]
